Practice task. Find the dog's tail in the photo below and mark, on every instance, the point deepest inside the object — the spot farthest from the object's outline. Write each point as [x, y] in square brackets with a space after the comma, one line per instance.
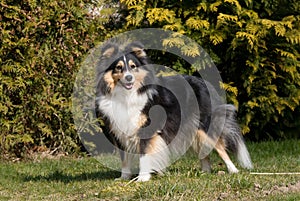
[225, 126]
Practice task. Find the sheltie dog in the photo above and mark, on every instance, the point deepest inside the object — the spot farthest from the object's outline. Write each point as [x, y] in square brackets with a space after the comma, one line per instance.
[127, 89]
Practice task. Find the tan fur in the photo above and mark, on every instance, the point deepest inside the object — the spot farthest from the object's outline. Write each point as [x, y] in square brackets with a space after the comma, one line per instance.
[155, 144]
[139, 52]
[156, 157]
[121, 64]
[139, 77]
[131, 64]
[221, 149]
[142, 121]
[201, 139]
[116, 77]
[203, 145]
[108, 78]
[108, 52]
[151, 145]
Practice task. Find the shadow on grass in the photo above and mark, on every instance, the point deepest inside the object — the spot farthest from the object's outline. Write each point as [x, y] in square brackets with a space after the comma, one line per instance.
[67, 178]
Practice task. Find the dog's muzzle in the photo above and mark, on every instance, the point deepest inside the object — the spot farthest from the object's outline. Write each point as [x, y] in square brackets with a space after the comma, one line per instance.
[128, 81]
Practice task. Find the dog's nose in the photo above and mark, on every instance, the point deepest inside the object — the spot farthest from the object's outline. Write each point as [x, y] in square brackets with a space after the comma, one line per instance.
[128, 78]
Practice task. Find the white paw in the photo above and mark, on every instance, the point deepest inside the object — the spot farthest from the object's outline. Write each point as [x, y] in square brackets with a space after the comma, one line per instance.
[233, 170]
[144, 177]
[231, 167]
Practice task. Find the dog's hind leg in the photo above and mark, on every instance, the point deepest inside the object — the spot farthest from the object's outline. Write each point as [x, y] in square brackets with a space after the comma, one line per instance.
[230, 137]
[205, 164]
[203, 145]
[220, 148]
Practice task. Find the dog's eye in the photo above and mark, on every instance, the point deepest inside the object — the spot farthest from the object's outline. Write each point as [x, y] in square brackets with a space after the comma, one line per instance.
[132, 66]
[118, 67]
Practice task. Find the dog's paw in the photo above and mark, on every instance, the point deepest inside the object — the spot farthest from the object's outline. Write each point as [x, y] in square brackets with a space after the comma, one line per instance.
[233, 170]
[144, 177]
[231, 167]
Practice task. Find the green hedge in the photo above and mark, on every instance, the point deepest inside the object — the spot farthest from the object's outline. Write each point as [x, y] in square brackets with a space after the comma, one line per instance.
[255, 45]
[41, 47]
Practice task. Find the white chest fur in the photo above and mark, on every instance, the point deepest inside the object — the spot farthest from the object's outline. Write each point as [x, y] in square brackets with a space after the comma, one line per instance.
[123, 109]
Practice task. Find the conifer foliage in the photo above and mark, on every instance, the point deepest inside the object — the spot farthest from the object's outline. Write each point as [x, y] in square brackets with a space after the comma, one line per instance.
[255, 45]
[41, 45]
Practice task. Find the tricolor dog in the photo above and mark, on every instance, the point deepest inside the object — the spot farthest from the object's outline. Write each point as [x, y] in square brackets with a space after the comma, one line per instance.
[127, 89]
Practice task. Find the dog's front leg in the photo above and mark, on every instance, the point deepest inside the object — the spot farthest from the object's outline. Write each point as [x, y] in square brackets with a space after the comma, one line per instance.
[126, 165]
[154, 157]
[145, 167]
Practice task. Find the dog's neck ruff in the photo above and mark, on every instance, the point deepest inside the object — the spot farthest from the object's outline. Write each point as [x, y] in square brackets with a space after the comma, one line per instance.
[123, 108]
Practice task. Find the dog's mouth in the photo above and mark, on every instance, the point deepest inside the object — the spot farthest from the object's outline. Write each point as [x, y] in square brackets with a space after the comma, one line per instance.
[128, 85]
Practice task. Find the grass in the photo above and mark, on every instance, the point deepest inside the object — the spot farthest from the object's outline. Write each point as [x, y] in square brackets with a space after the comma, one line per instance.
[85, 178]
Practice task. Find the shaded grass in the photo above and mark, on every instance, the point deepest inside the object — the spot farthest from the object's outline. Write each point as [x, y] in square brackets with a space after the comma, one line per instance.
[86, 179]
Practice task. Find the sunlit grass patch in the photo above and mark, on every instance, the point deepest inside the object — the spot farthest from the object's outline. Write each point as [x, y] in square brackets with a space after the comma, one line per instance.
[86, 178]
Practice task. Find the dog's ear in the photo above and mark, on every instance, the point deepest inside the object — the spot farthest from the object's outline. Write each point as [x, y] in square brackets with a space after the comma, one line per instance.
[109, 50]
[137, 48]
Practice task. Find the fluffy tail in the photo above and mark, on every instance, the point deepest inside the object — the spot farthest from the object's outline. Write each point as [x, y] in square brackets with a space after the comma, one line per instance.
[225, 125]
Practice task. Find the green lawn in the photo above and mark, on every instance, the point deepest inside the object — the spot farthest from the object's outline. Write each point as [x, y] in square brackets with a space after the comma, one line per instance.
[85, 178]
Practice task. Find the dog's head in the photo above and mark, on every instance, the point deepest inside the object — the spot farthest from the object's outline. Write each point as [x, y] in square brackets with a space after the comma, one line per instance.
[123, 66]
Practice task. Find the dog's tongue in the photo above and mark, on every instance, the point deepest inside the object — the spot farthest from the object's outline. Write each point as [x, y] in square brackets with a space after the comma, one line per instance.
[128, 85]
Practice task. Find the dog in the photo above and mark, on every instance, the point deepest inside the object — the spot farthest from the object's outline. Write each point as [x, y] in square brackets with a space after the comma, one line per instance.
[126, 90]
